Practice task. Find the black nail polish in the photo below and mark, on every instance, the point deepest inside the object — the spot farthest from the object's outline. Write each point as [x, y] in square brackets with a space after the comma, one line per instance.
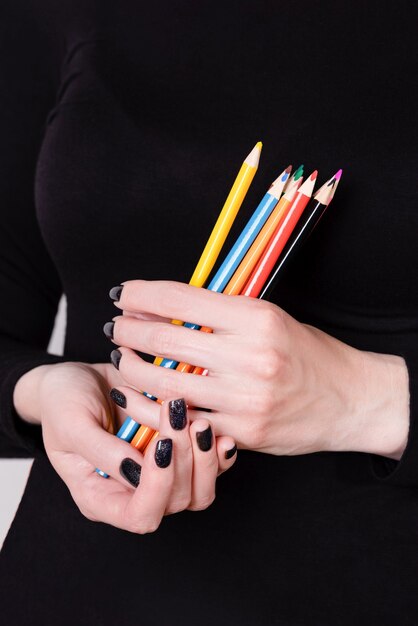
[230, 453]
[115, 357]
[118, 397]
[108, 329]
[178, 414]
[115, 293]
[163, 452]
[204, 439]
[131, 471]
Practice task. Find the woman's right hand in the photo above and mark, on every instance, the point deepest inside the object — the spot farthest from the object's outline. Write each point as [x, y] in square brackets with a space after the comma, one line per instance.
[71, 401]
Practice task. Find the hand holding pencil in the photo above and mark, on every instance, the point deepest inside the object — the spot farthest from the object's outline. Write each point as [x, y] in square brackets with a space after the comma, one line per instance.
[253, 271]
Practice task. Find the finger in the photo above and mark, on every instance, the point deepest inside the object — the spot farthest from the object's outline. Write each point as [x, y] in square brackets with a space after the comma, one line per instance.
[174, 423]
[203, 391]
[103, 450]
[150, 317]
[142, 409]
[149, 503]
[98, 500]
[205, 465]
[138, 511]
[227, 453]
[169, 341]
[178, 301]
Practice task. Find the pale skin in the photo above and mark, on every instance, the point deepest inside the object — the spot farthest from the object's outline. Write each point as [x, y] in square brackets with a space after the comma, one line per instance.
[71, 401]
[274, 385]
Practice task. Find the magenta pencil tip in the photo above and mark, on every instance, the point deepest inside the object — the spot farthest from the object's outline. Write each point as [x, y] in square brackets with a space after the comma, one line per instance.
[288, 169]
[338, 175]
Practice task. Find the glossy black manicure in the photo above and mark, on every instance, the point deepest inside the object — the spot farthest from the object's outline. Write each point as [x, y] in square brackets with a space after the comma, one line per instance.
[115, 293]
[118, 397]
[230, 453]
[131, 471]
[204, 439]
[163, 452]
[178, 414]
[115, 357]
[108, 329]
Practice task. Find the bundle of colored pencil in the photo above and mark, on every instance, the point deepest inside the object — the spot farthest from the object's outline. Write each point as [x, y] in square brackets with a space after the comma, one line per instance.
[281, 223]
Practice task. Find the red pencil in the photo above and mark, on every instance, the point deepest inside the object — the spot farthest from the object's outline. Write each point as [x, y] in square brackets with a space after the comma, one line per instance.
[279, 239]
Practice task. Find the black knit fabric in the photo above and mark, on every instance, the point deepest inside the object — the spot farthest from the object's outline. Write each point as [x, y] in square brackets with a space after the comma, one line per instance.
[122, 126]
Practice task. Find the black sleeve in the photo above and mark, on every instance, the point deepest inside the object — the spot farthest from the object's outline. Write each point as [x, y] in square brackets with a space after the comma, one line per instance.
[29, 283]
[405, 471]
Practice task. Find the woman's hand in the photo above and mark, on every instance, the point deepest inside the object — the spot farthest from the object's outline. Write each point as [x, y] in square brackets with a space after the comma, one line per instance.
[177, 472]
[274, 385]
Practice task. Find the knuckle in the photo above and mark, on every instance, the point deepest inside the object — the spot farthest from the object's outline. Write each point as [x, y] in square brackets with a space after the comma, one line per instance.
[161, 339]
[271, 363]
[270, 319]
[176, 294]
[143, 525]
[119, 330]
[180, 504]
[259, 403]
[255, 433]
[168, 386]
[202, 503]
[265, 405]
[211, 465]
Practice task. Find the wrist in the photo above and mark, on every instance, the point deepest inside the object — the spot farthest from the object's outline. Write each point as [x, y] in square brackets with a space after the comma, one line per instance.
[378, 421]
[26, 395]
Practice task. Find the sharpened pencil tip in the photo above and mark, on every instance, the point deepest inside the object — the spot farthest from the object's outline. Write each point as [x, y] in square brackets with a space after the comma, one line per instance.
[259, 145]
[314, 175]
[298, 173]
[288, 169]
[338, 175]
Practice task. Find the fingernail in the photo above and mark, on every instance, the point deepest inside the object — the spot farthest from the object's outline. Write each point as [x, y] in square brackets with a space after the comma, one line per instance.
[115, 357]
[163, 452]
[108, 329]
[178, 414]
[115, 293]
[118, 397]
[204, 439]
[230, 453]
[131, 471]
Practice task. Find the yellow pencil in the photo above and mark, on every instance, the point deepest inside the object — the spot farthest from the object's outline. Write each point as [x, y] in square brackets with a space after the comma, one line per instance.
[224, 222]
[213, 247]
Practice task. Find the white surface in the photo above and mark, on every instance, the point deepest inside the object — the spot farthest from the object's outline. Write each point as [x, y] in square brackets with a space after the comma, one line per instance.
[14, 472]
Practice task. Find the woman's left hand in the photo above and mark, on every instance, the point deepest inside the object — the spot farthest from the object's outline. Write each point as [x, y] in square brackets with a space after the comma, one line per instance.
[273, 384]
